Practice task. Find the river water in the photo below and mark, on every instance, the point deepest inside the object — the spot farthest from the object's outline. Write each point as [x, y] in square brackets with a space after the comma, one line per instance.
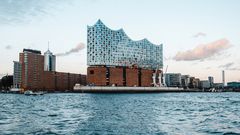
[163, 113]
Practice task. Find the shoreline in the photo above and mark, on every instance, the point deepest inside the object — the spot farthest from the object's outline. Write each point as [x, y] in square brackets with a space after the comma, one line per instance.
[104, 89]
[125, 92]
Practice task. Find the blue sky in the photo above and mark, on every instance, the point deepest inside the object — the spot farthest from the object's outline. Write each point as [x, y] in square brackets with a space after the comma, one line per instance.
[200, 38]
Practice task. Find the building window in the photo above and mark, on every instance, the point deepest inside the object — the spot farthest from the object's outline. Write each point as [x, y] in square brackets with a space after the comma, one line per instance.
[91, 72]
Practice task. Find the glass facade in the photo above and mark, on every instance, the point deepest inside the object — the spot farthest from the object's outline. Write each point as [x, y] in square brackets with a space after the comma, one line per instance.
[17, 74]
[114, 48]
[49, 61]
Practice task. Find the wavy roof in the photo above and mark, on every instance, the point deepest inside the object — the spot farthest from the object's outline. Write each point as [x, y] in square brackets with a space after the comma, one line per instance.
[99, 22]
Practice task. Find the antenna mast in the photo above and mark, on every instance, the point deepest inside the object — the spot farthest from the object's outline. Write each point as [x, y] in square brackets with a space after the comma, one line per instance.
[48, 45]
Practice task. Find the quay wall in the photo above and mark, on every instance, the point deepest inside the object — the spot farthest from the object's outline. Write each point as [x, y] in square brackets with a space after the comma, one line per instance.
[100, 89]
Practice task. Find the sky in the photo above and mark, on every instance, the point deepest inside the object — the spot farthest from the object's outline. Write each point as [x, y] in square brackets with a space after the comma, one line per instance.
[200, 38]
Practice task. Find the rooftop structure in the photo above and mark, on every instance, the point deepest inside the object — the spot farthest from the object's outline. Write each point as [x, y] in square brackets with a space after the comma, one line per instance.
[32, 51]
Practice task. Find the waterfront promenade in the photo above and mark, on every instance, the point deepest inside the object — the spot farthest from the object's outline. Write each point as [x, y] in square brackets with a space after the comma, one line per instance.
[106, 89]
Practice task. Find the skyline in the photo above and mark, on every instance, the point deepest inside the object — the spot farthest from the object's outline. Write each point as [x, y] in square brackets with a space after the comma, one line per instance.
[199, 38]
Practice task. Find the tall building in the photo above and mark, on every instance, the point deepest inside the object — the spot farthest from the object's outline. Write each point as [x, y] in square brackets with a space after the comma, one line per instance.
[17, 74]
[211, 81]
[173, 79]
[115, 59]
[49, 61]
[32, 69]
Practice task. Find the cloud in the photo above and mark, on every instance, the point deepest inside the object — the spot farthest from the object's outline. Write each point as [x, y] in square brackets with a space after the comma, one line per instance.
[167, 58]
[229, 66]
[18, 11]
[8, 47]
[234, 69]
[2, 75]
[200, 34]
[203, 51]
[79, 47]
[207, 67]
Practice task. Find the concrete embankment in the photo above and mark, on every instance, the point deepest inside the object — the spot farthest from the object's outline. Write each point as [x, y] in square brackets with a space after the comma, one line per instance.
[98, 89]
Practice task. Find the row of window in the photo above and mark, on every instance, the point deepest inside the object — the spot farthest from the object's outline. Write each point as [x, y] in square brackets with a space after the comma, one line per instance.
[108, 47]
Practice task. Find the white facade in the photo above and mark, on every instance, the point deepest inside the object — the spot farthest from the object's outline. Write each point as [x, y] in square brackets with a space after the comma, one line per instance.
[49, 61]
[114, 48]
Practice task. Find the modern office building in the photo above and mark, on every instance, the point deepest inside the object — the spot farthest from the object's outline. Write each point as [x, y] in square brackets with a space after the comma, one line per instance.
[115, 59]
[32, 69]
[30, 74]
[17, 74]
[49, 61]
[173, 79]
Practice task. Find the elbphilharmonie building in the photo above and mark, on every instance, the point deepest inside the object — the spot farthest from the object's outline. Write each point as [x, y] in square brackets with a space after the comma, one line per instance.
[115, 59]
[114, 48]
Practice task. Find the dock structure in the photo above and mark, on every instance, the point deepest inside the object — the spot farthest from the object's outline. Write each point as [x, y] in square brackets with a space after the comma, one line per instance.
[109, 89]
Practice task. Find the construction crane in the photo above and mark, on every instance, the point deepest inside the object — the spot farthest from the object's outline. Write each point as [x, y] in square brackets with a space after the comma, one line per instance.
[154, 78]
[163, 76]
[166, 69]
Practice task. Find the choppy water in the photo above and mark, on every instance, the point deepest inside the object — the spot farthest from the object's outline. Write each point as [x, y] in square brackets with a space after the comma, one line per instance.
[164, 113]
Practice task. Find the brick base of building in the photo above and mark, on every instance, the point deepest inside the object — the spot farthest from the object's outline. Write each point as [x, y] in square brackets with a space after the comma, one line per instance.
[56, 81]
[120, 76]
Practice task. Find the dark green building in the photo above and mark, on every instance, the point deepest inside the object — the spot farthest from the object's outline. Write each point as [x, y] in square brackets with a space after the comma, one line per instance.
[233, 84]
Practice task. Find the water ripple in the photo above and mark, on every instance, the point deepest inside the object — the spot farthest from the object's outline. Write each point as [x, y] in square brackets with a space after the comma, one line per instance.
[93, 114]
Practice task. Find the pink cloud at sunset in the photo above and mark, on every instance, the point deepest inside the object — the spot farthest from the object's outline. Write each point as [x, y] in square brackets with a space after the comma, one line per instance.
[203, 51]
